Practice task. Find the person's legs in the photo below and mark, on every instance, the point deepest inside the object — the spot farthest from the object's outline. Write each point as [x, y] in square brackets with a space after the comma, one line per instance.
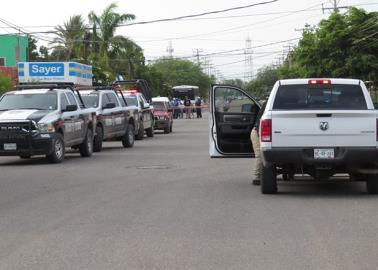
[257, 169]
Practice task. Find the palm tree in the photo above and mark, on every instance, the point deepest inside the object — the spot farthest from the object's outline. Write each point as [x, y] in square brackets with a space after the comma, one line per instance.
[104, 28]
[126, 56]
[69, 37]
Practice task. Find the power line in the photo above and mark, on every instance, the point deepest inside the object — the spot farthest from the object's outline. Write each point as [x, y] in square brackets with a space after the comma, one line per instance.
[200, 14]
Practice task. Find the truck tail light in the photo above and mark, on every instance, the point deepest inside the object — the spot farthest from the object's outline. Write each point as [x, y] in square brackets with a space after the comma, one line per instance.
[266, 130]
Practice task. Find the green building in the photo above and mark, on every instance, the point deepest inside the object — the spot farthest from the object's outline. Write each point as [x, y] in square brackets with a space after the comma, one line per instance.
[13, 49]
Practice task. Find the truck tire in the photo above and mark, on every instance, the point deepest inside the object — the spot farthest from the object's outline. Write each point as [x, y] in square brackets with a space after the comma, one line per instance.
[269, 180]
[25, 156]
[167, 129]
[86, 148]
[171, 128]
[128, 137]
[140, 134]
[150, 132]
[372, 184]
[57, 155]
[97, 141]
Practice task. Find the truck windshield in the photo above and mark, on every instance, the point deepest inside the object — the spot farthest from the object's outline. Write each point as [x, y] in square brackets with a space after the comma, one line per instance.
[329, 97]
[90, 100]
[46, 101]
[131, 100]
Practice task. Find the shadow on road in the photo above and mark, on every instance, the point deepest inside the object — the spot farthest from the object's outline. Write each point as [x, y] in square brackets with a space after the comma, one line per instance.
[38, 160]
[316, 189]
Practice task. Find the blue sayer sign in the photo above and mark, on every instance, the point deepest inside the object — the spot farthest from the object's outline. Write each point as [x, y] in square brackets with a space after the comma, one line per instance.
[46, 69]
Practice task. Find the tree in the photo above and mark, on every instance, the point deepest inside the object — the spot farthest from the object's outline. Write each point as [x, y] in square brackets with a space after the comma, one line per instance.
[265, 79]
[103, 31]
[237, 82]
[5, 83]
[178, 72]
[126, 57]
[344, 45]
[44, 52]
[69, 38]
[32, 49]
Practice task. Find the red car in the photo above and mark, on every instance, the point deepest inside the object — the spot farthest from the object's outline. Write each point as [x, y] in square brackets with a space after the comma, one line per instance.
[163, 116]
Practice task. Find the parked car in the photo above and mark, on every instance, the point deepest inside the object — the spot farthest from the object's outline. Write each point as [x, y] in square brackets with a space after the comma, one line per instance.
[319, 127]
[163, 116]
[44, 120]
[114, 121]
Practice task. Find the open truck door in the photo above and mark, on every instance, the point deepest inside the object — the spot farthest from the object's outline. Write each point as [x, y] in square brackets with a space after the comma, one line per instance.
[232, 116]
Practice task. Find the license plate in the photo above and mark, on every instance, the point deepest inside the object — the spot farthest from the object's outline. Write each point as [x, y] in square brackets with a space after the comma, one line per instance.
[324, 153]
[10, 146]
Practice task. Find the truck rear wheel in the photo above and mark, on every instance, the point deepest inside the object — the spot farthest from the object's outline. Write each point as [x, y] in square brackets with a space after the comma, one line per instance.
[57, 155]
[86, 148]
[140, 134]
[97, 141]
[269, 180]
[150, 131]
[128, 137]
[372, 184]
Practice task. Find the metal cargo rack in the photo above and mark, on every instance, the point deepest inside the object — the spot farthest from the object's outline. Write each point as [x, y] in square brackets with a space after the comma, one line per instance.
[100, 88]
[144, 89]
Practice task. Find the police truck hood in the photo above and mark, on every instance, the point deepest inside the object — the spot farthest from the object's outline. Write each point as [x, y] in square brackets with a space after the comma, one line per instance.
[25, 114]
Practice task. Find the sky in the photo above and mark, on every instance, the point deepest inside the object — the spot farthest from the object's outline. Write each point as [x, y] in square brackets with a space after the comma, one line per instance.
[272, 29]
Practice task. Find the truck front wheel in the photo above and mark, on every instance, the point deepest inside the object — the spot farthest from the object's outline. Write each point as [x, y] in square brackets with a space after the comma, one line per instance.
[140, 134]
[128, 137]
[57, 155]
[86, 148]
[97, 142]
[269, 180]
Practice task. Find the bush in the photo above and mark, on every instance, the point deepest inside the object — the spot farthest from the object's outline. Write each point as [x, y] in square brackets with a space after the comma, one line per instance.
[5, 83]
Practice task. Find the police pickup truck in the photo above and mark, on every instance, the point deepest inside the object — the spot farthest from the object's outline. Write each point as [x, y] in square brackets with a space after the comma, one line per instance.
[315, 127]
[114, 121]
[138, 94]
[44, 120]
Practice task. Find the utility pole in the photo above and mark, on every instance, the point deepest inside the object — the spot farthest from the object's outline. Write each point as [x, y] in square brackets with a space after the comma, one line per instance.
[196, 54]
[18, 47]
[170, 49]
[248, 73]
[335, 7]
[86, 46]
[289, 55]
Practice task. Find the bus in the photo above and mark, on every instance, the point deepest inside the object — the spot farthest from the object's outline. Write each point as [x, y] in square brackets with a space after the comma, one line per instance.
[182, 91]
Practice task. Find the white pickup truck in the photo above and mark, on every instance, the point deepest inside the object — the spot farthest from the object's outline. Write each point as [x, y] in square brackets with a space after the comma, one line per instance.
[317, 127]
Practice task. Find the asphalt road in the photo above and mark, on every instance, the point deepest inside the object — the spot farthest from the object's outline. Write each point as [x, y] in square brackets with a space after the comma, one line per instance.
[164, 204]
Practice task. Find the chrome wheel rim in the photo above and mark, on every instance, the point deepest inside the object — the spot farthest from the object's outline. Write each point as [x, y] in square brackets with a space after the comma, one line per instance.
[131, 136]
[58, 149]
